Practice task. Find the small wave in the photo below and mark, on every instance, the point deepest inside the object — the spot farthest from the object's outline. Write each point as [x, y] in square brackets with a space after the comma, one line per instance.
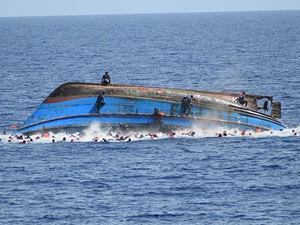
[273, 166]
[260, 188]
[158, 215]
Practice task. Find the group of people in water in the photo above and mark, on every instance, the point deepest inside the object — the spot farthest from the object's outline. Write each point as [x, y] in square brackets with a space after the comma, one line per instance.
[124, 135]
[83, 137]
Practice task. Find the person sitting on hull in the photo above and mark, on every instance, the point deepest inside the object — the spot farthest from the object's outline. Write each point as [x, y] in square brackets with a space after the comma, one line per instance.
[186, 103]
[105, 79]
[100, 102]
[241, 99]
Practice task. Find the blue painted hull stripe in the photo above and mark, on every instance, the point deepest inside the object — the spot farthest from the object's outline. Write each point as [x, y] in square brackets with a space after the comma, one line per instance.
[134, 119]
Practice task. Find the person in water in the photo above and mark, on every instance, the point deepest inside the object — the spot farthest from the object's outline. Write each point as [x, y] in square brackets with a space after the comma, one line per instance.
[123, 127]
[100, 101]
[105, 79]
[241, 99]
[186, 105]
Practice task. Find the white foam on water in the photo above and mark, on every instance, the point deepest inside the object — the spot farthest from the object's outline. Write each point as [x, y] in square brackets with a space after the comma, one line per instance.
[95, 133]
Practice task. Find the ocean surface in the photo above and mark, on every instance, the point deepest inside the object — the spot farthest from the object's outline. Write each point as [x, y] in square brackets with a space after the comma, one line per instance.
[181, 180]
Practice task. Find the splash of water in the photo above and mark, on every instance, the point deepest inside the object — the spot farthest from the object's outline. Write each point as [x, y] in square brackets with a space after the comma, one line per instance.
[95, 133]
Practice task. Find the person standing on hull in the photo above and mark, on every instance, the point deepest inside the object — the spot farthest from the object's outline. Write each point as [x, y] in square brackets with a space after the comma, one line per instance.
[186, 103]
[105, 79]
[100, 102]
[241, 99]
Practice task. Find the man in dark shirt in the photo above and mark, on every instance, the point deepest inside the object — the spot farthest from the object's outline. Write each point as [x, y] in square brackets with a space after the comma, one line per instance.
[105, 79]
[157, 115]
[100, 101]
[186, 105]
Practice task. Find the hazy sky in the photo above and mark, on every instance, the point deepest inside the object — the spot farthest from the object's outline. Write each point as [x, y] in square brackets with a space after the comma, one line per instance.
[95, 7]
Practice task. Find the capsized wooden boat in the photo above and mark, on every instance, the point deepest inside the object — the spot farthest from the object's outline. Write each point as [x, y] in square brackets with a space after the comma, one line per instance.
[72, 106]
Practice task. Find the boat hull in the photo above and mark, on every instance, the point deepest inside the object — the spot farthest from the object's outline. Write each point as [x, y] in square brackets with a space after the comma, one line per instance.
[79, 112]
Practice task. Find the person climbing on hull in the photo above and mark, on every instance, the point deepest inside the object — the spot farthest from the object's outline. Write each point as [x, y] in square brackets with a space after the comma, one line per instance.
[241, 99]
[158, 117]
[100, 102]
[186, 104]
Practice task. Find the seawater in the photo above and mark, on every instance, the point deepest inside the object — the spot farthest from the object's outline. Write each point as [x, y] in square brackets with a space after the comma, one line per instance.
[182, 180]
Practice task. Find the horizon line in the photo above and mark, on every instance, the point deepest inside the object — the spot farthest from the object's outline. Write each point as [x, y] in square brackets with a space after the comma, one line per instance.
[146, 13]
